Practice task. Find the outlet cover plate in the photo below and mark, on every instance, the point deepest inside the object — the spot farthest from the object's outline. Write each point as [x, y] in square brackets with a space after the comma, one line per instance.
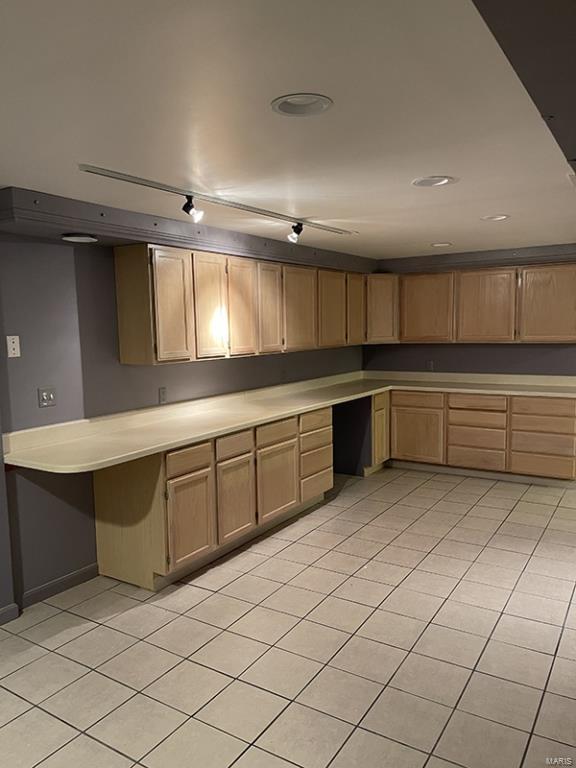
[46, 397]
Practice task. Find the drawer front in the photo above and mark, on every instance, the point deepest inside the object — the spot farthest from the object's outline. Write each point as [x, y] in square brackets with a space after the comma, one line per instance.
[477, 458]
[478, 402]
[488, 419]
[544, 406]
[381, 401]
[418, 399]
[189, 459]
[540, 465]
[277, 432]
[234, 445]
[317, 439]
[315, 420]
[316, 484]
[315, 461]
[534, 442]
[477, 437]
[562, 425]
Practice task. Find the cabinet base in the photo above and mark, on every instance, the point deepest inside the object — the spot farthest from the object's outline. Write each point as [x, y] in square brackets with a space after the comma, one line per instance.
[508, 477]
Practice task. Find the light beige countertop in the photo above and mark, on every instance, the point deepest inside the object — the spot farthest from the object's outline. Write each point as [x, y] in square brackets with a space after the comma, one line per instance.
[90, 444]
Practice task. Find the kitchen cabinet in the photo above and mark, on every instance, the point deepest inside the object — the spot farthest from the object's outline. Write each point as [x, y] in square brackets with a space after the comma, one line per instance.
[355, 309]
[211, 304]
[236, 492]
[277, 479]
[191, 516]
[270, 311]
[243, 306]
[548, 304]
[332, 315]
[300, 308]
[486, 305]
[381, 309]
[316, 453]
[418, 426]
[380, 427]
[154, 304]
[427, 307]
[477, 434]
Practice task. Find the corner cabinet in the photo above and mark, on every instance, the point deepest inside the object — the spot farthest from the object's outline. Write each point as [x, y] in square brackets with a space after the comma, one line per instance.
[331, 308]
[154, 304]
[418, 426]
[427, 307]
[300, 308]
[355, 309]
[381, 309]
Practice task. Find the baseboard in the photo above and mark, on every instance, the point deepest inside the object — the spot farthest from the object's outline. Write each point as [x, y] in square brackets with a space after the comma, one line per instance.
[37, 594]
[507, 477]
[9, 612]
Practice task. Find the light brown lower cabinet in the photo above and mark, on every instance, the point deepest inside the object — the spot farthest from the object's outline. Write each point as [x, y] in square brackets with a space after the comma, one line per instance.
[236, 494]
[418, 434]
[191, 517]
[477, 434]
[381, 427]
[277, 478]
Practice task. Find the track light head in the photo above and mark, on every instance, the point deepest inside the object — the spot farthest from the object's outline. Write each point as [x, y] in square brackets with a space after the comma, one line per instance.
[191, 210]
[296, 232]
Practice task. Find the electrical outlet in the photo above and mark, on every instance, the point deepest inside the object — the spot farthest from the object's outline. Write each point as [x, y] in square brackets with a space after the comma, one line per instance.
[162, 395]
[46, 397]
[429, 365]
[13, 346]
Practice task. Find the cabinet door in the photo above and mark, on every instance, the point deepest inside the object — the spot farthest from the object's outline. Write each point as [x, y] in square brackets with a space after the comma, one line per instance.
[331, 308]
[277, 479]
[427, 307]
[242, 306]
[236, 489]
[418, 434]
[380, 428]
[486, 302]
[548, 303]
[299, 308]
[191, 517]
[381, 308]
[269, 307]
[355, 309]
[211, 304]
[172, 271]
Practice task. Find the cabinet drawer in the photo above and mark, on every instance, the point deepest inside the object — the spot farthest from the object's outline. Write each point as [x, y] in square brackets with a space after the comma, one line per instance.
[316, 484]
[381, 401]
[189, 459]
[478, 402]
[488, 419]
[315, 461]
[268, 434]
[418, 399]
[234, 445]
[315, 420]
[544, 406]
[317, 439]
[477, 458]
[562, 425]
[534, 442]
[543, 466]
[477, 437]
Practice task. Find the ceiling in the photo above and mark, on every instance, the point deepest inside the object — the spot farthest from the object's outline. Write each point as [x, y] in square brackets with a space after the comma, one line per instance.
[179, 91]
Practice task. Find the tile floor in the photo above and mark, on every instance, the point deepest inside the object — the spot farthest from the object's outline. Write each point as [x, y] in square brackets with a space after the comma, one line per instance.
[416, 619]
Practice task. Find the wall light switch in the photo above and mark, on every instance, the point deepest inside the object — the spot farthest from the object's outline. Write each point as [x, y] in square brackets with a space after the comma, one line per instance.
[13, 345]
[46, 397]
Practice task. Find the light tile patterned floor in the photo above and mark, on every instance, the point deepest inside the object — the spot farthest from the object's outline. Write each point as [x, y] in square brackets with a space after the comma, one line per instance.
[416, 619]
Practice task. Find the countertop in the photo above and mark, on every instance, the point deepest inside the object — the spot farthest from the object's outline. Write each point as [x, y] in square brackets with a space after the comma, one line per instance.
[92, 444]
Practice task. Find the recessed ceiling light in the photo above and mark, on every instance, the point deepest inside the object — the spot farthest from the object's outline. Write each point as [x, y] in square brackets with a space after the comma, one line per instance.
[496, 217]
[301, 104]
[79, 237]
[441, 245]
[434, 181]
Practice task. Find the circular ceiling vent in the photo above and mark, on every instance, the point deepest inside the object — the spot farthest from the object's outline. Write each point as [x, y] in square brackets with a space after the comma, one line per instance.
[434, 181]
[301, 104]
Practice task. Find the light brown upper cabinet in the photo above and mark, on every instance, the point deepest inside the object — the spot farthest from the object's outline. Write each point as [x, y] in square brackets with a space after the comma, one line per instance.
[270, 329]
[211, 304]
[381, 308]
[486, 305]
[331, 308]
[355, 308]
[243, 306]
[548, 303]
[155, 304]
[427, 307]
[300, 293]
